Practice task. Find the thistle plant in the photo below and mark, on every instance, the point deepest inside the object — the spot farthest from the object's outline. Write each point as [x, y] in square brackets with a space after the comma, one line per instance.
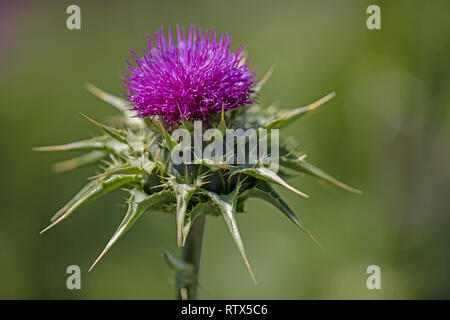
[176, 85]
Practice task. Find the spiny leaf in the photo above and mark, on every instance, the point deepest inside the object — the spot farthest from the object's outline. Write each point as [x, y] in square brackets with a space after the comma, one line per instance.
[101, 143]
[78, 162]
[113, 133]
[265, 174]
[138, 203]
[93, 191]
[227, 206]
[306, 167]
[183, 193]
[82, 193]
[264, 191]
[82, 145]
[292, 115]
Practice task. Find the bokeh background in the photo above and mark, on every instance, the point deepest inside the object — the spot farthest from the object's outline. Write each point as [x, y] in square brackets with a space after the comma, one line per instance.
[386, 132]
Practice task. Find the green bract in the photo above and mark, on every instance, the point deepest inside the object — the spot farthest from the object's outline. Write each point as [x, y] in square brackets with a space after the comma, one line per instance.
[137, 157]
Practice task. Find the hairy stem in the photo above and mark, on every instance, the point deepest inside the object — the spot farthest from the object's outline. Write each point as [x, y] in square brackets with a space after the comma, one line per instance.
[191, 252]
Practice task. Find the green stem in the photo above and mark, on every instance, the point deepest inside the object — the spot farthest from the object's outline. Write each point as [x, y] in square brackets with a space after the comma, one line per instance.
[191, 251]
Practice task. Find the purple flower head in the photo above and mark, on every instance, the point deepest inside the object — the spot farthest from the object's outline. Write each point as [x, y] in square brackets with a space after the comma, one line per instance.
[191, 79]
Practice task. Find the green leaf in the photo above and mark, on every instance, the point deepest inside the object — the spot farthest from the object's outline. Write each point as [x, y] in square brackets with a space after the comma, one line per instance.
[113, 133]
[227, 206]
[292, 115]
[78, 162]
[305, 167]
[265, 174]
[138, 203]
[91, 192]
[264, 191]
[183, 193]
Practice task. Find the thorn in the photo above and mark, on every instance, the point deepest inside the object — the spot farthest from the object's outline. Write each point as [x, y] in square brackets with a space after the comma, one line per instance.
[157, 155]
[348, 188]
[321, 101]
[50, 148]
[50, 226]
[296, 191]
[110, 131]
[251, 271]
[59, 213]
[98, 176]
[98, 259]
[315, 241]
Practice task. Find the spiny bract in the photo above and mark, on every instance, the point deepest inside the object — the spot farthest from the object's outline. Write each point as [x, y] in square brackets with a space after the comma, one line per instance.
[137, 160]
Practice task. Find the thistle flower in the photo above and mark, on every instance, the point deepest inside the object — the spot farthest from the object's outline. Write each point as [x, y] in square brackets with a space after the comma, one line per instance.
[192, 79]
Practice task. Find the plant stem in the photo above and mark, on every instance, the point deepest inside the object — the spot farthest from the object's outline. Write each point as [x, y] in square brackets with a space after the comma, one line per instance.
[190, 254]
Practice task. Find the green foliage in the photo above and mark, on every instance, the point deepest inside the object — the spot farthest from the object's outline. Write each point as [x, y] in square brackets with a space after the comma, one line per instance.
[138, 157]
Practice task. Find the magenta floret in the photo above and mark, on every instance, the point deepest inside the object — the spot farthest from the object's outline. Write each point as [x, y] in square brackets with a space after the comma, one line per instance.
[191, 79]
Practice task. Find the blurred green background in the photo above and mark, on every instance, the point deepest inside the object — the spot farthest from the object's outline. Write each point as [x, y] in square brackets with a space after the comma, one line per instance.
[386, 132]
